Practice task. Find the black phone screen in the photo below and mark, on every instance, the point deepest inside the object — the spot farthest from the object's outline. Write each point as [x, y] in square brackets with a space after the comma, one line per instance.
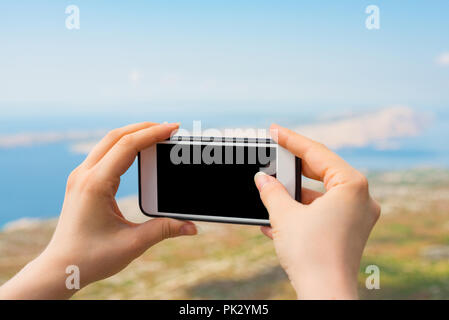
[212, 180]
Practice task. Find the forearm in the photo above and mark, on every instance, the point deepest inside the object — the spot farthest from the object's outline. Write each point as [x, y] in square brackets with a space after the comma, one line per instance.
[42, 278]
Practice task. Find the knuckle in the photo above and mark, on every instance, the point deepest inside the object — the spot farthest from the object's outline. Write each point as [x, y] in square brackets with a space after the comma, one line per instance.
[361, 182]
[114, 134]
[376, 210]
[166, 229]
[72, 179]
[126, 140]
[92, 183]
[320, 145]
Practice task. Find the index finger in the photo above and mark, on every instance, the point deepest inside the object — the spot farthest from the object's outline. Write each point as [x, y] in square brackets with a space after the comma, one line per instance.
[121, 156]
[319, 163]
[102, 147]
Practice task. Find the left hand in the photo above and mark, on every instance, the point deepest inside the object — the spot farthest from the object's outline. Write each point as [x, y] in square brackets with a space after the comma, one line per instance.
[92, 233]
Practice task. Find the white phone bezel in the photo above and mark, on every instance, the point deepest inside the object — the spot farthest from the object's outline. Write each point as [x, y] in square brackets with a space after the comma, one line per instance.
[286, 173]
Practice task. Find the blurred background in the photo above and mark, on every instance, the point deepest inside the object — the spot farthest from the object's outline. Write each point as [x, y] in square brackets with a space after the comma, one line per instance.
[378, 97]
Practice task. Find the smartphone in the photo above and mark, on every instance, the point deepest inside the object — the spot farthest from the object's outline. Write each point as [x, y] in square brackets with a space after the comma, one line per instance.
[212, 178]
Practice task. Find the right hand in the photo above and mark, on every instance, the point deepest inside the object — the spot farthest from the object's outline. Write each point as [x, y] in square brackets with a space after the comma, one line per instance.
[320, 241]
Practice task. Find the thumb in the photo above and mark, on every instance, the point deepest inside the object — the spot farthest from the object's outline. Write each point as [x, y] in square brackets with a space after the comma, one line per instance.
[274, 195]
[158, 229]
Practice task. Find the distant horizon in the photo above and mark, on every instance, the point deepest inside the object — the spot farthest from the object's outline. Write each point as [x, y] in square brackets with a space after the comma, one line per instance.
[39, 168]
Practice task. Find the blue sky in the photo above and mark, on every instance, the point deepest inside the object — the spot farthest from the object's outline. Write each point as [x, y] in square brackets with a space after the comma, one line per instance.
[270, 53]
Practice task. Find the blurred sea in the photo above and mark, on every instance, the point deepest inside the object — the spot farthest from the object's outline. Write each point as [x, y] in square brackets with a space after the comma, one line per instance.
[33, 176]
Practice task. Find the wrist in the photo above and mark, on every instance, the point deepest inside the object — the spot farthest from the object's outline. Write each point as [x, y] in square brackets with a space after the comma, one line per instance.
[42, 278]
[52, 277]
[65, 269]
[325, 283]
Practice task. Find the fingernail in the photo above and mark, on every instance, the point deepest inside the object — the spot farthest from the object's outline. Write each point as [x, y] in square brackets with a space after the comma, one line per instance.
[199, 229]
[171, 125]
[261, 178]
[188, 229]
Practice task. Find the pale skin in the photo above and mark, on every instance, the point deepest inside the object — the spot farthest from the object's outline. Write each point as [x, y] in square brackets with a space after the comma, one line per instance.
[319, 242]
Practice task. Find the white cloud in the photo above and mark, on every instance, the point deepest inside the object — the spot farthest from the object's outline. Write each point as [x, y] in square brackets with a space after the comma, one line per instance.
[83, 147]
[22, 224]
[379, 128]
[33, 138]
[443, 59]
[135, 76]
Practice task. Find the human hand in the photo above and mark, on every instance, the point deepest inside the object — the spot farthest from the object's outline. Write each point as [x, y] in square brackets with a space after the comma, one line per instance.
[92, 233]
[320, 241]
